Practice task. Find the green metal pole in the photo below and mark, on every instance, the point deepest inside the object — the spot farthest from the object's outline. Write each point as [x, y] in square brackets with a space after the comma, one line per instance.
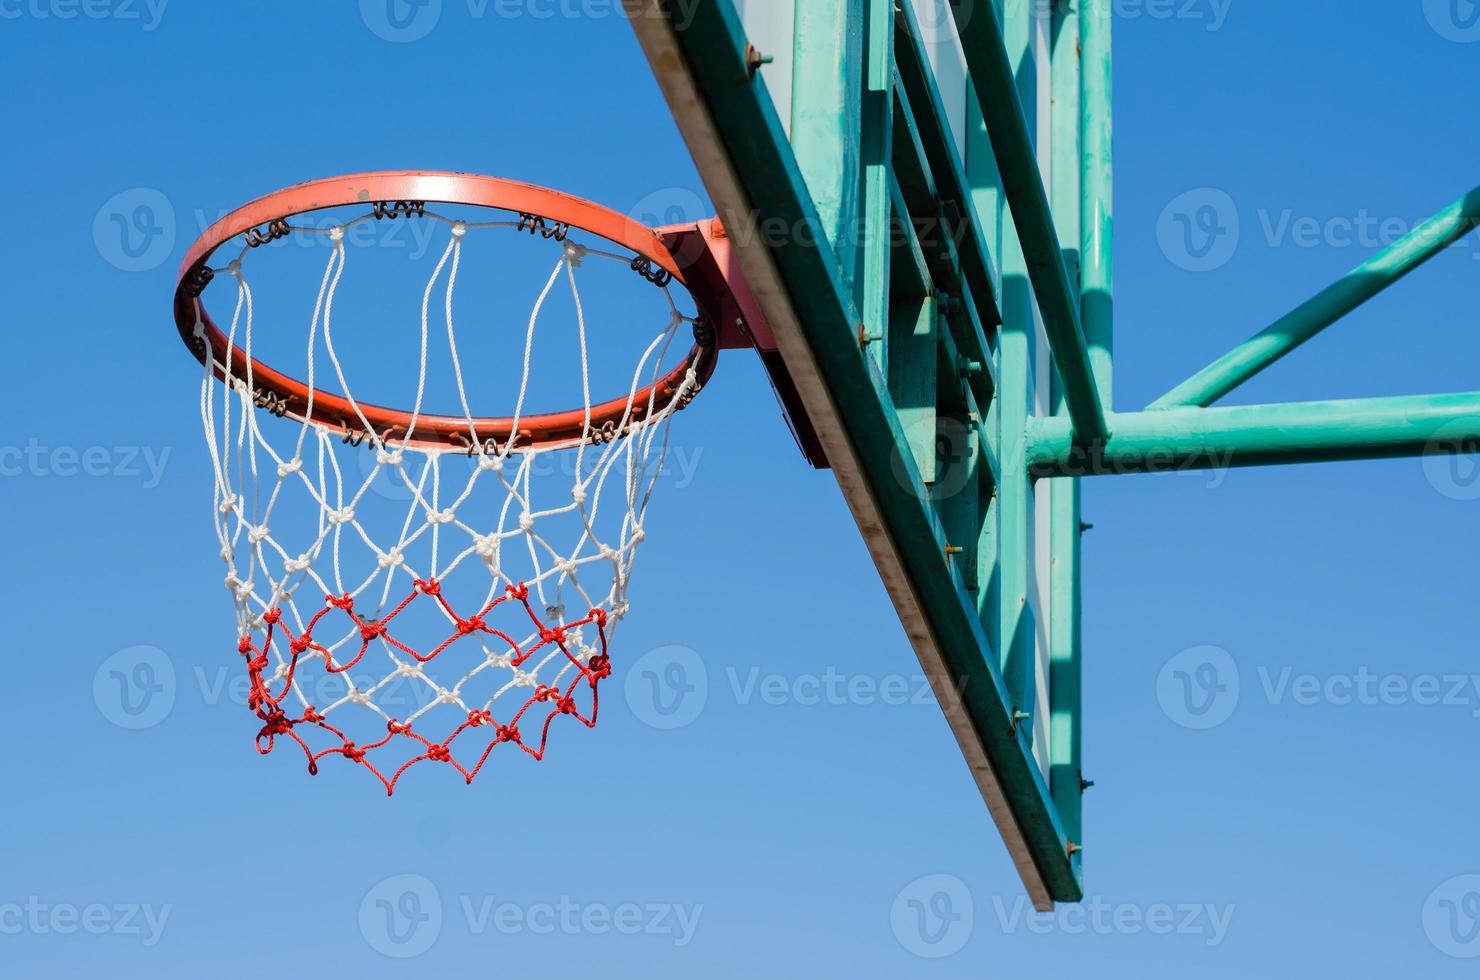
[992, 77]
[1328, 306]
[827, 119]
[1261, 435]
[1097, 266]
[1065, 697]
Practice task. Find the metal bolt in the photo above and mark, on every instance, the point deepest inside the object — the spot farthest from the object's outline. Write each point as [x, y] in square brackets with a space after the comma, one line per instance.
[952, 549]
[754, 59]
[1085, 526]
[1085, 784]
[865, 338]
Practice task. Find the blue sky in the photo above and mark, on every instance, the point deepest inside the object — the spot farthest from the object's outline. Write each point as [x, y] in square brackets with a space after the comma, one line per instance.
[1318, 822]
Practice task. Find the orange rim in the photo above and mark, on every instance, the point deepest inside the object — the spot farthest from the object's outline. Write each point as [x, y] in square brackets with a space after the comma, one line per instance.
[290, 397]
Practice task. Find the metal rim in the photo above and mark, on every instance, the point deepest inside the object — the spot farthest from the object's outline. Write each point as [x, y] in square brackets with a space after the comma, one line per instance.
[334, 412]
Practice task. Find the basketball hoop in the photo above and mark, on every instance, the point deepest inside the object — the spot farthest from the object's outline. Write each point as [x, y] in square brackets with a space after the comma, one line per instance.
[502, 663]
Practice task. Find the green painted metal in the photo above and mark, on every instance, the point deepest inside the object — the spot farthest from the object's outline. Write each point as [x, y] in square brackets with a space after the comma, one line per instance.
[827, 118]
[991, 68]
[1328, 306]
[1262, 435]
[1016, 624]
[927, 529]
[1097, 233]
[925, 117]
[876, 138]
[1065, 634]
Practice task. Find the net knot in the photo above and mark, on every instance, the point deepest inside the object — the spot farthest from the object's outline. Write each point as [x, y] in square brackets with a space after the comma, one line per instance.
[429, 586]
[526, 522]
[336, 234]
[300, 644]
[370, 629]
[272, 616]
[396, 728]
[312, 715]
[578, 494]
[556, 635]
[298, 564]
[442, 516]
[257, 664]
[477, 719]
[598, 616]
[459, 229]
[487, 547]
[353, 752]
[287, 469]
[472, 625]
[276, 723]
[600, 667]
[519, 592]
[505, 733]
[440, 753]
[257, 534]
[345, 602]
[244, 645]
[493, 464]
[228, 504]
[389, 458]
[341, 516]
[392, 557]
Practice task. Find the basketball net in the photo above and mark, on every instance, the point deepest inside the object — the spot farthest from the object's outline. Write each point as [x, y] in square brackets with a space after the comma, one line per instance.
[483, 617]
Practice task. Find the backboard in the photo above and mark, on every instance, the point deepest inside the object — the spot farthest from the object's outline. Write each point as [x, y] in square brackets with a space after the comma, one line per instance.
[866, 194]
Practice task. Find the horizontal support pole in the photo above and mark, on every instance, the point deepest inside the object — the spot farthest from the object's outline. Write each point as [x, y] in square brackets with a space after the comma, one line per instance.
[1017, 162]
[1261, 435]
[1327, 306]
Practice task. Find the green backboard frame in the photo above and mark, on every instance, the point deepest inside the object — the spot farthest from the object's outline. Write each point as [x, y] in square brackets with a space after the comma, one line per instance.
[924, 297]
[953, 359]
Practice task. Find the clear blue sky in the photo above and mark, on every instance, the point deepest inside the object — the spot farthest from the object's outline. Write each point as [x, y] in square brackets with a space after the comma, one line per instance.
[1324, 828]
